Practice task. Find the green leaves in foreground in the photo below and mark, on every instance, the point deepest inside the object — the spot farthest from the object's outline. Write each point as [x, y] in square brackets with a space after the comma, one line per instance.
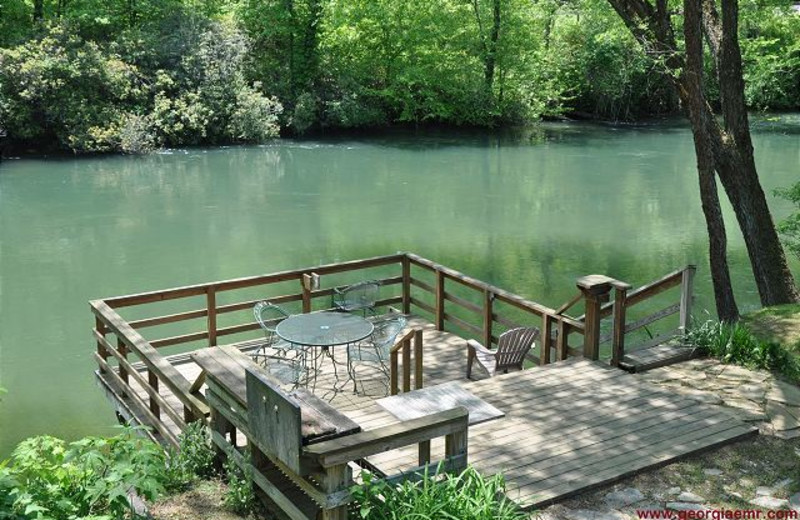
[47, 478]
[468, 496]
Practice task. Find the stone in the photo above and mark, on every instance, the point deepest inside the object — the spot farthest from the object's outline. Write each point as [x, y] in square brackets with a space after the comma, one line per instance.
[743, 404]
[752, 391]
[794, 502]
[746, 482]
[784, 393]
[685, 506]
[737, 373]
[786, 434]
[712, 472]
[674, 490]
[623, 497]
[687, 496]
[588, 514]
[783, 483]
[783, 417]
[764, 491]
[768, 502]
[701, 395]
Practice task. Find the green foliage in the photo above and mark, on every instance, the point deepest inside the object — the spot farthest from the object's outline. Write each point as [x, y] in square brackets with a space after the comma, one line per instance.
[47, 478]
[99, 76]
[194, 459]
[790, 227]
[240, 496]
[129, 96]
[468, 496]
[771, 54]
[735, 343]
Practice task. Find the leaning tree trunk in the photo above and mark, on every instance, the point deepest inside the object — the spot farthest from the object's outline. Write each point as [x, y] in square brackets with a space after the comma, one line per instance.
[691, 89]
[731, 148]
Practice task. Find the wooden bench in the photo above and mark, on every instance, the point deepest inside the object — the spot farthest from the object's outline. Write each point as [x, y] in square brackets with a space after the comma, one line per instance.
[301, 448]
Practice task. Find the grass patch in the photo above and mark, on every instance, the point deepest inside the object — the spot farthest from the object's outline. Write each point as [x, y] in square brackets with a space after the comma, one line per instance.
[778, 324]
[203, 500]
[736, 344]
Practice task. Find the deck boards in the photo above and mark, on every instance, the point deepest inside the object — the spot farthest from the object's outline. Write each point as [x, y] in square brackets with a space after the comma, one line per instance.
[568, 427]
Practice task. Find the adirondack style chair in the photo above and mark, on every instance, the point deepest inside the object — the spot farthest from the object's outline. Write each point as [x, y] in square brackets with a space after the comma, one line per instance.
[512, 347]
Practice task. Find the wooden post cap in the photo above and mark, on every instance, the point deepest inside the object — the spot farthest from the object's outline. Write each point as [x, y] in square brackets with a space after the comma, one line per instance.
[595, 284]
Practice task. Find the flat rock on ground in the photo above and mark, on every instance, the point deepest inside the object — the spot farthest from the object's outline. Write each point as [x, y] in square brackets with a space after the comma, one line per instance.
[623, 497]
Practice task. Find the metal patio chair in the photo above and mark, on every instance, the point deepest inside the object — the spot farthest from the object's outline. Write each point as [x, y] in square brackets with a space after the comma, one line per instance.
[512, 346]
[361, 296]
[285, 361]
[375, 350]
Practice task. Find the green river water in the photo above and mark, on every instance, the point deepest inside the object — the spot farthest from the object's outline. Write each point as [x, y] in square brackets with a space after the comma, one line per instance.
[529, 211]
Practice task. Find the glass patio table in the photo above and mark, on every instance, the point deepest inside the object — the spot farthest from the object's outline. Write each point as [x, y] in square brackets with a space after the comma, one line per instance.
[324, 330]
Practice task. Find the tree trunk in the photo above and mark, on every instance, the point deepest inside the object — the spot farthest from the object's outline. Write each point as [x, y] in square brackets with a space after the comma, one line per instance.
[692, 91]
[731, 149]
[38, 10]
[491, 51]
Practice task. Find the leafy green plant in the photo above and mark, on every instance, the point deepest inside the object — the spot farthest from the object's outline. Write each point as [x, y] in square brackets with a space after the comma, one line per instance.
[48, 478]
[736, 344]
[240, 497]
[194, 459]
[468, 496]
[789, 228]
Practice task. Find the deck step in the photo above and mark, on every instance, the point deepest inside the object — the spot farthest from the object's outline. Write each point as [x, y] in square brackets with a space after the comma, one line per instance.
[657, 356]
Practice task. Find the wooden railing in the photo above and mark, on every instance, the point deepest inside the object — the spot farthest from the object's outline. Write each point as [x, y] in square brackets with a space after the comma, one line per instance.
[624, 300]
[556, 328]
[404, 347]
[137, 369]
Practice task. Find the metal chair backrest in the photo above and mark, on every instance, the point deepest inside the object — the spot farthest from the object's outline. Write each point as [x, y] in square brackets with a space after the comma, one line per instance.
[513, 345]
[359, 296]
[268, 316]
[386, 332]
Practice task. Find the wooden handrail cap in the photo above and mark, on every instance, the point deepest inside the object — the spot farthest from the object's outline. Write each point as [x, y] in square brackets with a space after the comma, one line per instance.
[595, 284]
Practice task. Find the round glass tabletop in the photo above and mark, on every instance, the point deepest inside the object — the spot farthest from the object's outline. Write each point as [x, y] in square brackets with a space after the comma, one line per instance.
[323, 329]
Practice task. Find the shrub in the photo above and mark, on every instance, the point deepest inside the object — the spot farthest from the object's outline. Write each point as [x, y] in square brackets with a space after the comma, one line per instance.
[240, 497]
[734, 343]
[48, 478]
[63, 90]
[194, 459]
[790, 227]
[468, 496]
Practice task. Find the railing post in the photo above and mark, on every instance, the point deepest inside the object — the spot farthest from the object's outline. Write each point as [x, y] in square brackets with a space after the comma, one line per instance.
[123, 351]
[406, 285]
[439, 318]
[547, 339]
[407, 365]
[337, 478]
[152, 380]
[488, 300]
[595, 289]
[393, 385]
[562, 346]
[306, 281]
[211, 306]
[687, 289]
[417, 359]
[618, 339]
[101, 329]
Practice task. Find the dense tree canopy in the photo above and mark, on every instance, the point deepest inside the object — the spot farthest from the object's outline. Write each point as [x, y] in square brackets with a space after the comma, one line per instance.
[129, 75]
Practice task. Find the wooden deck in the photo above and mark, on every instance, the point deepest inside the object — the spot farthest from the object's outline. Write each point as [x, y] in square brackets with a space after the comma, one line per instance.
[569, 426]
